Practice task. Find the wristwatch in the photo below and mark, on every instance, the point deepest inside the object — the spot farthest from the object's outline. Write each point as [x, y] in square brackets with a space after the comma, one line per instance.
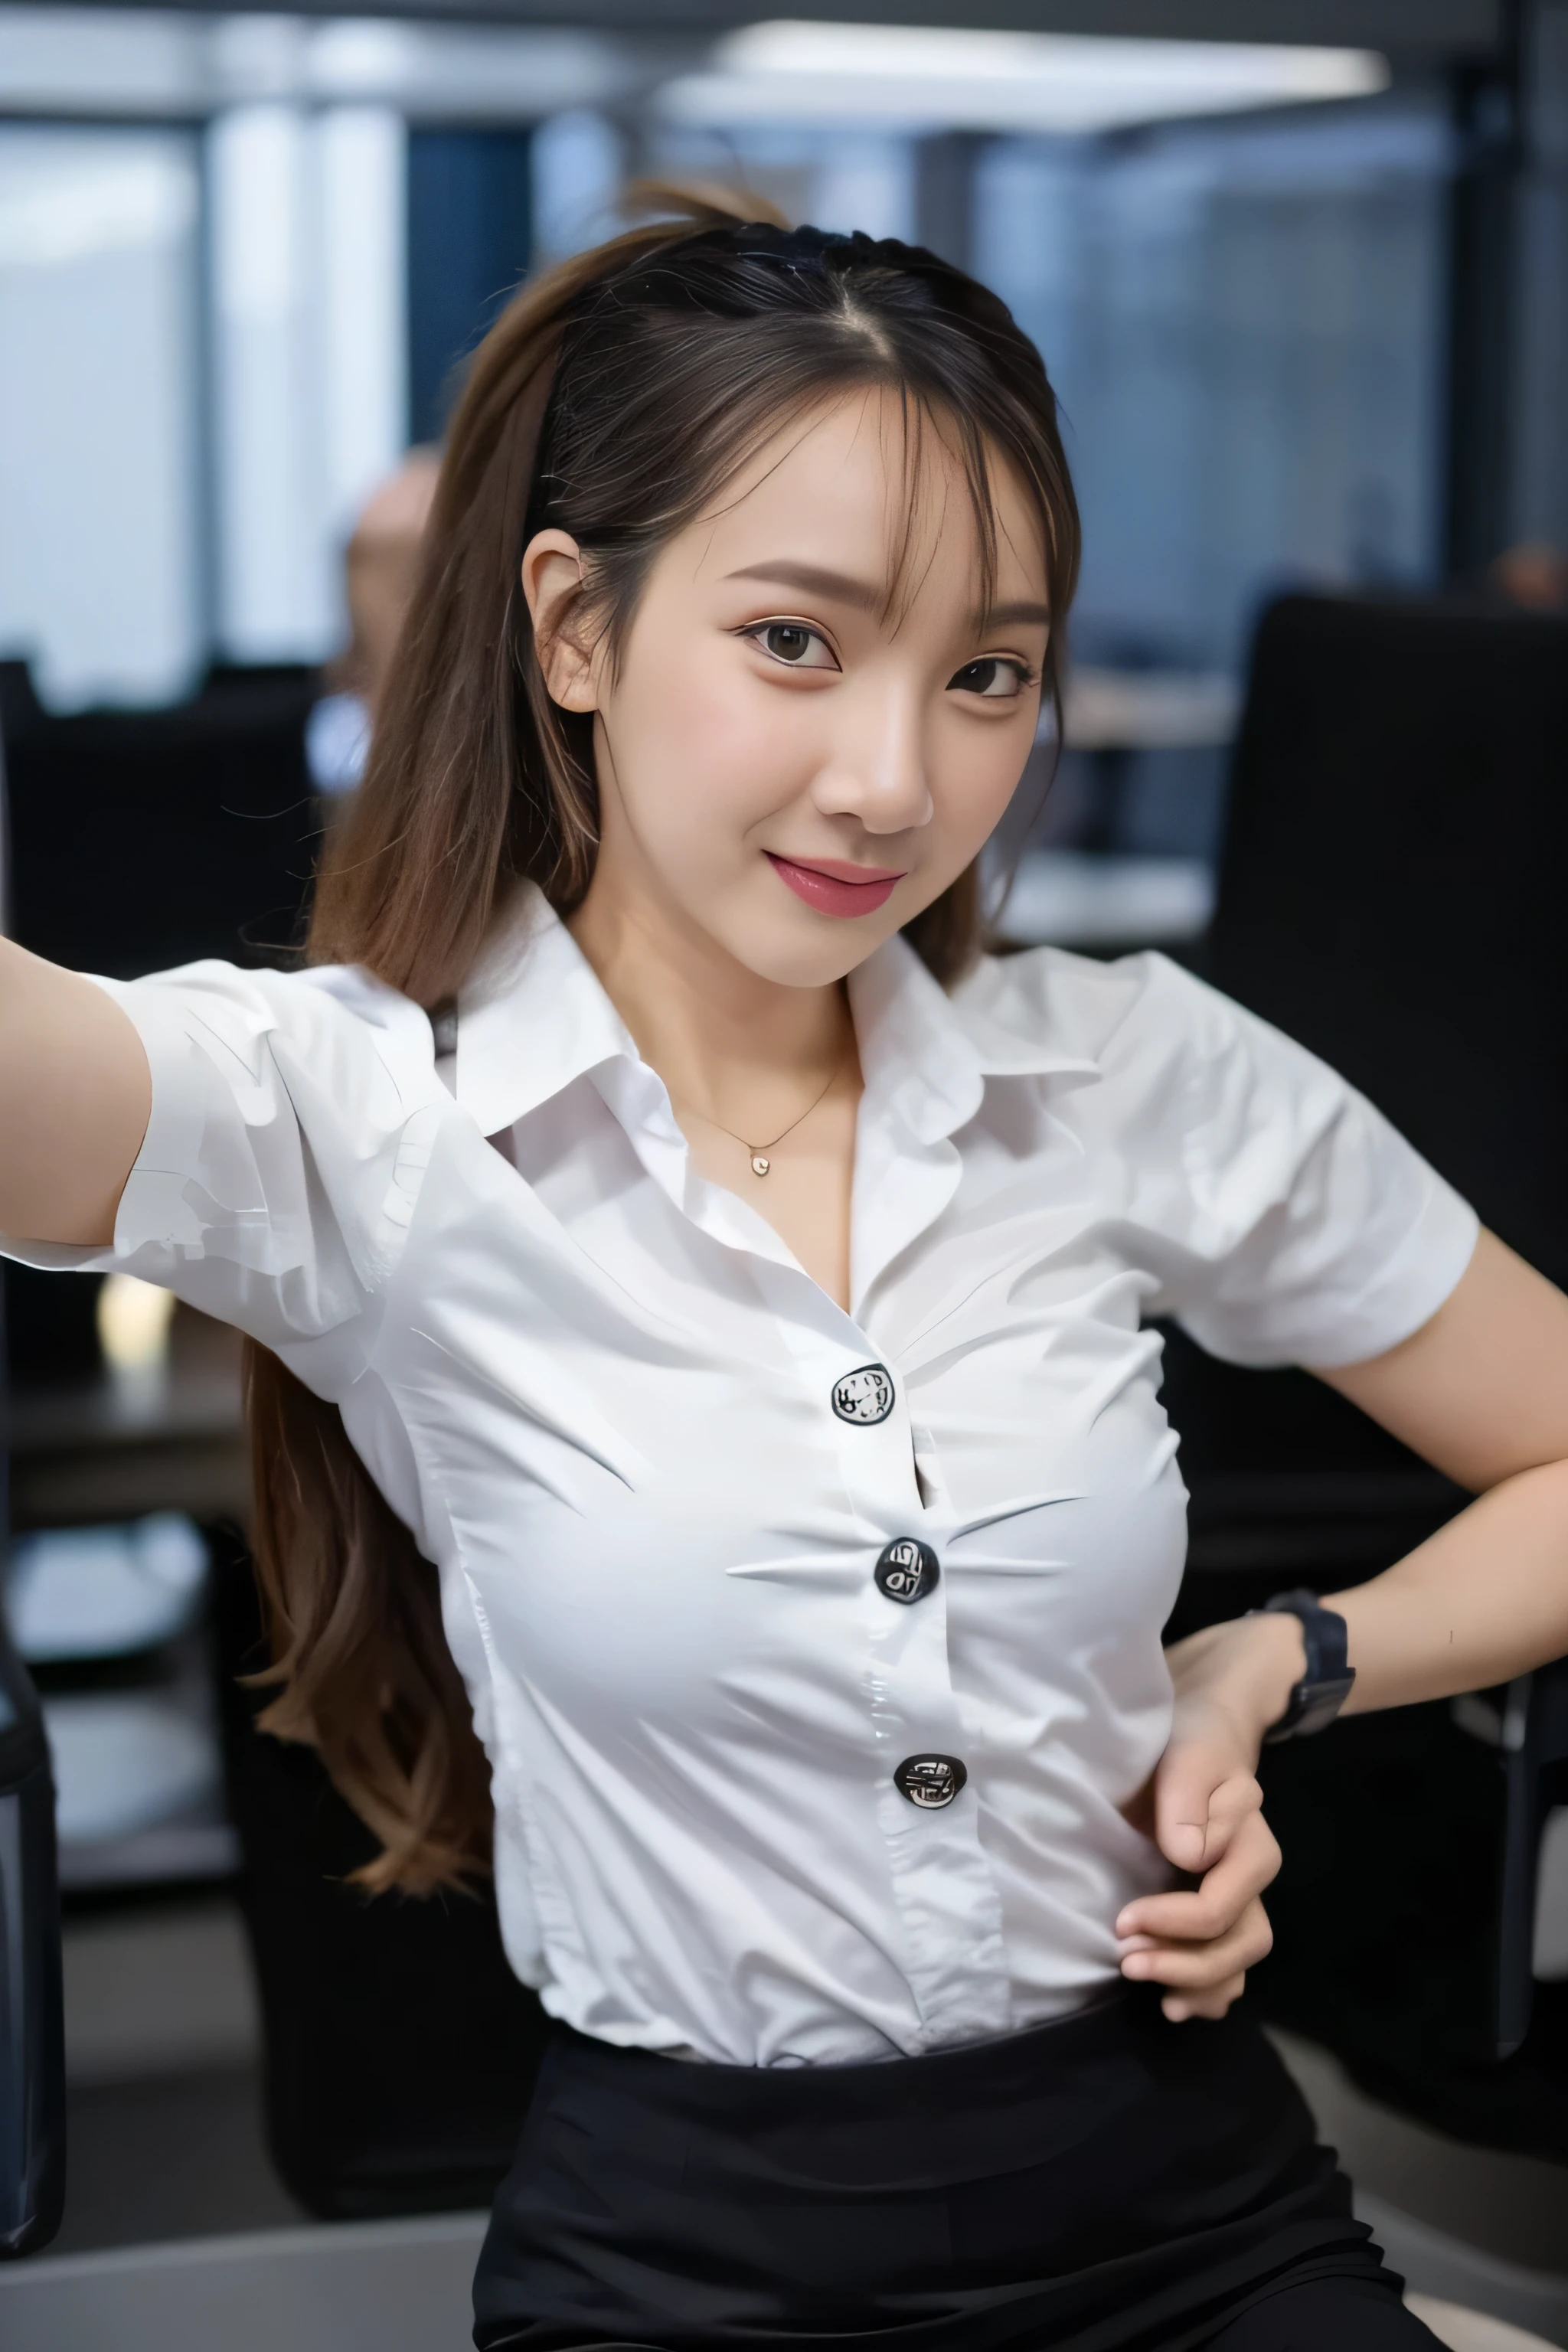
[1326, 1684]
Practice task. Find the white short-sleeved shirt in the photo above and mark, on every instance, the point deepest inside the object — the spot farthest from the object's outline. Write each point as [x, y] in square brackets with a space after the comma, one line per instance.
[626, 1426]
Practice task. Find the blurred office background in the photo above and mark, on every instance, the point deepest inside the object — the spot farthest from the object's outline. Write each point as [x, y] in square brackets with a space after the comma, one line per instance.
[1299, 273]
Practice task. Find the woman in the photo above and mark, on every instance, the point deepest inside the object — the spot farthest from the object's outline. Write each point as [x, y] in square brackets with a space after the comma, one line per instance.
[650, 1210]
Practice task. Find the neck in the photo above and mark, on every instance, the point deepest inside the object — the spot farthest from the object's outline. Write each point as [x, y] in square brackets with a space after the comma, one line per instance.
[724, 1040]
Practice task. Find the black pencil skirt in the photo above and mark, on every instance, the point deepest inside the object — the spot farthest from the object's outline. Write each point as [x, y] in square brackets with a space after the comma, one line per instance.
[1106, 2183]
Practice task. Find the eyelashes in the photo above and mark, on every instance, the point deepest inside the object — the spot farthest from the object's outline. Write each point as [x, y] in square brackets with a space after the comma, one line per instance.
[795, 645]
[996, 676]
[791, 644]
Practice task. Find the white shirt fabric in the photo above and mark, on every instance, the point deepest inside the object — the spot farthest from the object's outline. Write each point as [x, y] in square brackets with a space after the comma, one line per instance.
[598, 1389]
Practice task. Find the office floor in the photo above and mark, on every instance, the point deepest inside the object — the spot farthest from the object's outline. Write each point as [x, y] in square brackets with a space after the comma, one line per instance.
[166, 2137]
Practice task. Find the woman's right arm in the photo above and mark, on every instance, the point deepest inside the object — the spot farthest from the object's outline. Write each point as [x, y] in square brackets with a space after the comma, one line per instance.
[75, 1097]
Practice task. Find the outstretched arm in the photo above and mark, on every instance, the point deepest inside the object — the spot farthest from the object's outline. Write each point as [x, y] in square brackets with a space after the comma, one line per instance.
[75, 1098]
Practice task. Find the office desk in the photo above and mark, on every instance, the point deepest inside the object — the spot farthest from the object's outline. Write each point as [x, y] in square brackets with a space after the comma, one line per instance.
[170, 1438]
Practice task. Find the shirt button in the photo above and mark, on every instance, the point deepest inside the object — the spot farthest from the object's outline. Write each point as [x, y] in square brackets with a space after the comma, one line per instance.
[907, 1570]
[930, 1781]
[865, 1395]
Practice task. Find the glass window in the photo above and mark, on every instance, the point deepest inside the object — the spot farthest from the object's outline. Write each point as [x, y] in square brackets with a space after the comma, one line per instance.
[99, 467]
[1243, 322]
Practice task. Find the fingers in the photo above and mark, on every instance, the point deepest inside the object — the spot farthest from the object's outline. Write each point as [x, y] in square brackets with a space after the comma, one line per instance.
[1201, 1798]
[1207, 1819]
[1202, 1968]
[1249, 1863]
[1179, 2006]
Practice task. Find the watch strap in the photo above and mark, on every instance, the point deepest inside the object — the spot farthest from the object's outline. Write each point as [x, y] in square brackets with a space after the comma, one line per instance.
[1324, 1690]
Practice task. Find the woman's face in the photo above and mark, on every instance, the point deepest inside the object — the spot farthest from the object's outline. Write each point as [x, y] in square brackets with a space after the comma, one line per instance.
[792, 759]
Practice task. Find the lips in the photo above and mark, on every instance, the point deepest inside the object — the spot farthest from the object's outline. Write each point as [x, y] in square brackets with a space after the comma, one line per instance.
[833, 887]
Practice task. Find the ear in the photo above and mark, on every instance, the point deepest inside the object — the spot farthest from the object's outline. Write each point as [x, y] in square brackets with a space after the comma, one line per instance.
[553, 585]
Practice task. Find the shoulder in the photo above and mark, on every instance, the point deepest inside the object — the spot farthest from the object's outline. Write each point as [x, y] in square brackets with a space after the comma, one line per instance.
[1137, 1009]
[338, 1017]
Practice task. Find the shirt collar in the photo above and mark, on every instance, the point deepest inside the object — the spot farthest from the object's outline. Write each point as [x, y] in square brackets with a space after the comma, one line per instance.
[533, 1018]
[926, 1056]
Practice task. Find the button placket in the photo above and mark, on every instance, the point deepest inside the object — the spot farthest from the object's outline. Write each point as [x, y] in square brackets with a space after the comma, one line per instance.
[940, 1878]
[941, 1881]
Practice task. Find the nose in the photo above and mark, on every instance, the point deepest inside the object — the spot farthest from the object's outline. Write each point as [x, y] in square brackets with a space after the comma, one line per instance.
[876, 770]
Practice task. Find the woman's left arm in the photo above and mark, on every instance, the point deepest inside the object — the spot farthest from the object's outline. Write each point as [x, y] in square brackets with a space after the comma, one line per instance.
[1481, 1393]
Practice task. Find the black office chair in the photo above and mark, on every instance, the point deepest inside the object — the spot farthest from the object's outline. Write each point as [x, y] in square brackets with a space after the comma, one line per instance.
[32, 2027]
[1390, 894]
[32, 2017]
[135, 839]
[142, 839]
[400, 2048]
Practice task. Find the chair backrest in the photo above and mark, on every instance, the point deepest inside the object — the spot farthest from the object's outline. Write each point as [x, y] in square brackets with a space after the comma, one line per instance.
[1391, 891]
[400, 2048]
[142, 839]
[31, 2021]
[1390, 894]
[32, 2029]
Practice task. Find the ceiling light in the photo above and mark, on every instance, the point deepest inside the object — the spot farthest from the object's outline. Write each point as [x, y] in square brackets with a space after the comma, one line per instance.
[914, 77]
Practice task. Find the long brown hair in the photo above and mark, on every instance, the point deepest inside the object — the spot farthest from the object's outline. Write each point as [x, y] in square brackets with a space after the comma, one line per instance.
[613, 399]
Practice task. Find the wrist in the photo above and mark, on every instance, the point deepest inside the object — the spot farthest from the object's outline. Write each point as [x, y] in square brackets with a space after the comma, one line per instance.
[1247, 1665]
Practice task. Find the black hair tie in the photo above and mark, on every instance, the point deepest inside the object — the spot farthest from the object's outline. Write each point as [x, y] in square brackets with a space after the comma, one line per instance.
[830, 249]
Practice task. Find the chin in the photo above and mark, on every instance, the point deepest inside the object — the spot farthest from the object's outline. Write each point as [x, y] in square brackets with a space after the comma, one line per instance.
[793, 958]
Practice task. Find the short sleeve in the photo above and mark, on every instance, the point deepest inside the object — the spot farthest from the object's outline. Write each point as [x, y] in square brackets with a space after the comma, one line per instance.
[1284, 1218]
[291, 1123]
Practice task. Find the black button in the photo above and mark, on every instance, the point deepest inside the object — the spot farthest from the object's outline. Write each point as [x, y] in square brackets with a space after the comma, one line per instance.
[930, 1781]
[865, 1395]
[907, 1570]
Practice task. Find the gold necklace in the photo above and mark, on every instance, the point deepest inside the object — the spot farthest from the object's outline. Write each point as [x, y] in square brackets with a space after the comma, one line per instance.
[761, 1161]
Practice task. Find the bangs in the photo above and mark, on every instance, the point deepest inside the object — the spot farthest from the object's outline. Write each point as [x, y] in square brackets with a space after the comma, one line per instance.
[930, 428]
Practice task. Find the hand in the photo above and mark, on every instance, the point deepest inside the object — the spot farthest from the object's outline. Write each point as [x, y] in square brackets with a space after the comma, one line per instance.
[1202, 1807]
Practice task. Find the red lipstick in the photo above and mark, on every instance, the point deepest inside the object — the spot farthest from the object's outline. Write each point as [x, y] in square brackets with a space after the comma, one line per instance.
[833, 887]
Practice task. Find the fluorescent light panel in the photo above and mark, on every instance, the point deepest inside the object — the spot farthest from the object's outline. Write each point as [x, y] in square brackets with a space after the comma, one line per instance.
[930, 78]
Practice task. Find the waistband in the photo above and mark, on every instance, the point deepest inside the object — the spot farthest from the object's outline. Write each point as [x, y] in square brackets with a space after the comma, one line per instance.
[984, 2105]
[983, 2065]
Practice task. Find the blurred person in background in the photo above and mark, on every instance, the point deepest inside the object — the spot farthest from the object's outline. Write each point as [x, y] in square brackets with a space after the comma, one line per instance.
[1534, 575]
[708, 1446]
[380, 567]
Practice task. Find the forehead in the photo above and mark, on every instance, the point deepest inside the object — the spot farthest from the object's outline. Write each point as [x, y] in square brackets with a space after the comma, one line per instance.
[855, 486]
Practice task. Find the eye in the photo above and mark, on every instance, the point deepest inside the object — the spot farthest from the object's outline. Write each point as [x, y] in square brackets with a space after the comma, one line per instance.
[997, 679]
[792, 643]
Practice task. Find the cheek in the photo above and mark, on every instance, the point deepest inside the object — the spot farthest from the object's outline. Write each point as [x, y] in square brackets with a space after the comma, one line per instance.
[707, 746]
[978, 771]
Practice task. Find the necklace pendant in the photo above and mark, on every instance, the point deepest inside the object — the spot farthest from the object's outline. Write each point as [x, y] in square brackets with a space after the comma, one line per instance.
[761, 1163]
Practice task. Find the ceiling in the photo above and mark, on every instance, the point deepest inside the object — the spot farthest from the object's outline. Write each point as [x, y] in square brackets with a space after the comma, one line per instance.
[1413, 28]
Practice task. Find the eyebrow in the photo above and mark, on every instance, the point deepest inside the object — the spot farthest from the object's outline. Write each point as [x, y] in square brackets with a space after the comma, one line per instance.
[816, 580]
[1018, 615]
[813, 580]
